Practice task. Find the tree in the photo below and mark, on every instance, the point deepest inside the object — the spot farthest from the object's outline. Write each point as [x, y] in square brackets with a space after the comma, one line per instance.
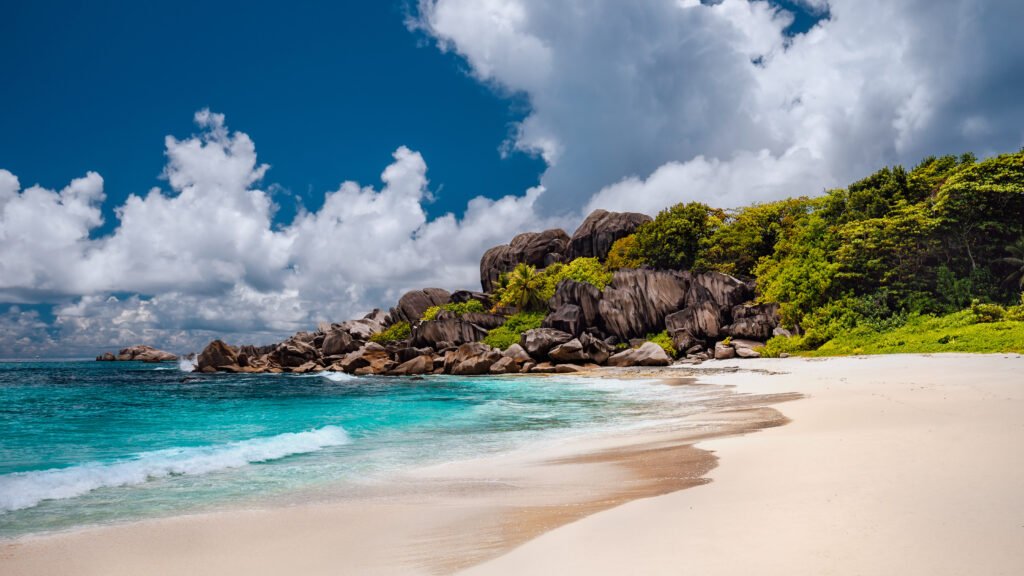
[1015, 261]
[623, 254]
[750, 233]
[525, 289]
[677, 237]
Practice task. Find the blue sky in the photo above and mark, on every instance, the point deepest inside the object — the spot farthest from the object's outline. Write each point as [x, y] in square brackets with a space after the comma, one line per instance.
[326, 89]
[405, 138]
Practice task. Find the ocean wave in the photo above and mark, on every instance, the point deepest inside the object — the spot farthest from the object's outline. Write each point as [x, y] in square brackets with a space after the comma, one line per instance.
[336, 376]
[27, 489]
[186, 365]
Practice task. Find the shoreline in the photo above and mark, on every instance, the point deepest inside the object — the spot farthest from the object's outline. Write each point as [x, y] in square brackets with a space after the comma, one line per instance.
[435, 519]
[907, 464]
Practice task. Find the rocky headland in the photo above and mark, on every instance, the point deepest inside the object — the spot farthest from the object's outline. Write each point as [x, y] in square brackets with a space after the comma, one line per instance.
[705, 314]
[140, 353]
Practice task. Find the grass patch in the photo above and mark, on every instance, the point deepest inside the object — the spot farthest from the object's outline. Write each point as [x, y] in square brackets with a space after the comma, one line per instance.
[958, 332]
[508, 333]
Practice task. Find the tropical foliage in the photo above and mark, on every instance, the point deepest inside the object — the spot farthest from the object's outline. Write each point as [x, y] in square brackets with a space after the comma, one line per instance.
[395, 333]
[508, 333]
[457, 308]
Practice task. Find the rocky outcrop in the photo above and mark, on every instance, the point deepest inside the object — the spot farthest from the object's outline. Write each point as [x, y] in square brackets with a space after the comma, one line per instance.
[753, 322]
[647, 354]
[595, 236]
[215, 356]
[451, 331]
[540, 249]
[581, 294]
[370, 359]
[365, 327]
[517, 353]
[140, 353]
[637, 301]
[566, 318]
[414, 303]
[504, 365]
[539, 341]
[295, 352]
[414, 366]
[338, 341]
[472, 359]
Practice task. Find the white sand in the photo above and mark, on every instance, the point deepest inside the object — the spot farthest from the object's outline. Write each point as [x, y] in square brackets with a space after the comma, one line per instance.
[894, 465]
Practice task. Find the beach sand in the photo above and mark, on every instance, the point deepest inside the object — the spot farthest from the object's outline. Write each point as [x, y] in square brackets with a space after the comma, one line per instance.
[896, 464]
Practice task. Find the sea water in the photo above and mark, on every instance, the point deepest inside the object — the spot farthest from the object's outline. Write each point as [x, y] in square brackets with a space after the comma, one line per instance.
[86, 443]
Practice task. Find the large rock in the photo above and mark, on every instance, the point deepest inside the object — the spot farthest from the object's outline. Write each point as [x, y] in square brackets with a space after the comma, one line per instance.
[571, 351]
[540, 249]
[637, 301]
[338, 341]
[413, 304]
[365, 327]
[723, 290]
[485, 320]
[596, 350]
[567, 318]
[370, 359]
[504, 365]
[747, 348]
[696, 323]
[647, 354]
[473, 358]
[139, 353]
[582, 295]
[462, 296]
[418, 365]
[539, 341]
[215, 356]
[294, 352]
[517, 353]
[452, 331]
[724, 351]
[756, 322]
[595, 236]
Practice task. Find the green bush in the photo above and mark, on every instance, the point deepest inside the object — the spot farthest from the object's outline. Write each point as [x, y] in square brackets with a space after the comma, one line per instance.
[623, 254]
[524, 288]
[457, 308]
[678, 236]
[395, 333]
[987, 312]
[508, 333]
[589, 270]
[665, 341]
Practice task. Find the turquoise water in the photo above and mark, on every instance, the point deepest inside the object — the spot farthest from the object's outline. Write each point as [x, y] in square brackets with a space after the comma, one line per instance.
[84, 443]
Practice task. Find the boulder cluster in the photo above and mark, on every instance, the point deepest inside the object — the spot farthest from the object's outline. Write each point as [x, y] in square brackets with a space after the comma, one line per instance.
[706, 315]
[141, 353]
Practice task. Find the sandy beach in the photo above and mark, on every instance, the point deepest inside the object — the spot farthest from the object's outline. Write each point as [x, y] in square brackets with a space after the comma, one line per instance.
[894, 464]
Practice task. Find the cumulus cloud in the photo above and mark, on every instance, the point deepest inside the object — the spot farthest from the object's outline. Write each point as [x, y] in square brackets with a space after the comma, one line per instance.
[648, 103]
[205, 257]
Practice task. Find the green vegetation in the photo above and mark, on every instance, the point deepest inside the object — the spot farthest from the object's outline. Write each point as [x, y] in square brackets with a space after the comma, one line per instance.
[623, 254]
[678, 236]
[395, 333]
[665, 341]
[896, 248]
[957, 332]
[528, 289]
[508, 333]
[457, 308]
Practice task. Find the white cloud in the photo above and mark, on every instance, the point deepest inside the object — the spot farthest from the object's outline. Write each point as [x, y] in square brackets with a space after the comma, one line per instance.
[210, 261]
[659, 101]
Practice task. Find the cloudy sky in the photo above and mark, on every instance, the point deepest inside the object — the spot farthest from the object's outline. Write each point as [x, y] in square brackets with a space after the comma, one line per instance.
[173, 174]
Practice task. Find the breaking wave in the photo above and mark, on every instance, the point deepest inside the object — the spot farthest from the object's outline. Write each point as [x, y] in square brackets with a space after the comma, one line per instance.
[27, 489]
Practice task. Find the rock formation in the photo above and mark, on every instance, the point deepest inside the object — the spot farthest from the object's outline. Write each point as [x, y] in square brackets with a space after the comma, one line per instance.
[140, 353]
[540, 249]
[595, 236]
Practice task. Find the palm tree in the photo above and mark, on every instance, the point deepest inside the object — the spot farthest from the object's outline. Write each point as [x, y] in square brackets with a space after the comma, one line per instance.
[1016, 263]
[524, 288]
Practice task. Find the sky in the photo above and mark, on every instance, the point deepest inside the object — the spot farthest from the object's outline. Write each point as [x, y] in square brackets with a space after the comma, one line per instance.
[175, 172]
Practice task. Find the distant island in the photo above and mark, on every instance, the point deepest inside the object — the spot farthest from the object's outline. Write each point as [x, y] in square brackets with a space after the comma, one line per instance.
[923, 260]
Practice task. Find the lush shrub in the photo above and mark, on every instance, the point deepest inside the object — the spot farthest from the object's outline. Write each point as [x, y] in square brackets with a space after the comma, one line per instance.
[589, 270]
[624, 254]
[779, 345]
[508, 333]
[525, 289]
[395, 333]
[677, 237]
[987, 312]
[457, 308]
[665, 341]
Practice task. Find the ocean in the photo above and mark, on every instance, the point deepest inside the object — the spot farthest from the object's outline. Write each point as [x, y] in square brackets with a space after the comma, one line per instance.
[90, 443]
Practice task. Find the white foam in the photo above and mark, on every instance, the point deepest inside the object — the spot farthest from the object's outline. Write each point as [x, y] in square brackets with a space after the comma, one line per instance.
[27, 489]
[337, 376]
[186, 365]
